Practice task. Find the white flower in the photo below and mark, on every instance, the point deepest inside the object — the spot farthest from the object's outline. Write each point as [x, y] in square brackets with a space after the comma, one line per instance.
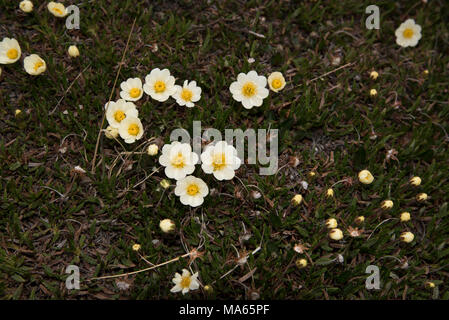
[187, 94]
[365, 177]
[130, 129]
[131, 89]
[26, 6]
[221, 160]
[276, 81]
[185, 282]
[9, 51]
[57, 9]
[191, 191]
[159, 84]
[167, 225]
[73, 51]
[152, 149]
[249, 89]
[34, 65]
[116, 112]
[407, 236]
[408, 33]
[178, 160]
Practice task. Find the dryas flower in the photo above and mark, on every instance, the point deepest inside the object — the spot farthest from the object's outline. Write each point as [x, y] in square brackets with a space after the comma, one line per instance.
[34, 65]
[187, 94]
[167, 225]
[26, 6]
[276, 81]
[131, 89]
[301, 263]
[116, 112]
[178, 160]
[152, 149]
[331, 223]
[297, 199]
[336, 234]
[365, 177]
[408, 34]
[373, 92]
[415, 181]
[421, 197]
[191, 191]
[73, 51]
[57, 9]
[221, 160]
[159, 84]
[373, 75]
[185, 282]
[130, 129]
[136, 247]
[330, 193]
[111, 132]
[387, 204]
[407, 236]
[9, 51]
[249, 89]
[405, 216]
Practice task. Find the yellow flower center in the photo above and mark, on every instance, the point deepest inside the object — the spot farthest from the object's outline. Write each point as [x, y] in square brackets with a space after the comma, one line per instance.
[219, 161]
[37, 65]
[185, 282]
[12, 53]
[249, 89]
[192, 190]
[276, 83]
[186, 95]
[119, 115]
[134, 92]
[159, 86]
[178, 161]
[133, 129]
[408, 33]
[57, 10]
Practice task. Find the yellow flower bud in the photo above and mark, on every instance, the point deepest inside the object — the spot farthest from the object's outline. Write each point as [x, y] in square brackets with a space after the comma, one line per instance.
[365, 177]
[312, 174]
[297, 199]
[331, 223]
[387, 204]
[359, 219]
[373, 92]
[405, 216]
[152, 149]
[330, 193]
[26, 6]
[73, 51]
[17, 112]
[301, 263]
[426, 72]
[407, 237]
[167, 225]
[430, 285]
[336, 234]
[136, 247]
[415, 181]
[165, 183]
[111, 133]
[374, 75]
[421, 197]
[208, 288]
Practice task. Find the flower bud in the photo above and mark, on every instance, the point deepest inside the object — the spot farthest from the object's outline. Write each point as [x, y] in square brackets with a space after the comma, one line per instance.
[365, 177]
[167, 225]
[415, 181]
[407, 237]
[429, 285]
[73, 51]
[152, 149]
[165, 183]
[373, 92]
[387, 204]
[312, 174]
[405, 216]
[208, 288]
[136, 247]
[336, 234]
[330, 193]
[421, 197]
[17, 112]
[111, 133]
[301, 263]
[26, 6]
[373, 75]
[359, 219]
[297, 199]
[331, 223]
